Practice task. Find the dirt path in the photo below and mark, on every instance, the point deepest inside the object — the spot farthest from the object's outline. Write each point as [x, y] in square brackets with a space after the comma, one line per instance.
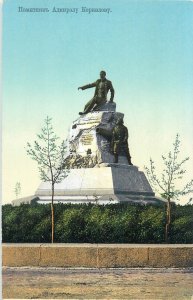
[59, 283]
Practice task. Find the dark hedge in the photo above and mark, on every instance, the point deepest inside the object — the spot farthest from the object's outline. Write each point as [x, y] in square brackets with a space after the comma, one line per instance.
[116, 223]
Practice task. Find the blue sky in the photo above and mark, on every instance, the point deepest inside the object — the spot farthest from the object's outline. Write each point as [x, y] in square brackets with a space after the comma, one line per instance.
[146, 48]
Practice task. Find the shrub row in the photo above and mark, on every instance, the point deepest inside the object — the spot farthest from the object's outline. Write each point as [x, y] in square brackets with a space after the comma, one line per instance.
[116, 223]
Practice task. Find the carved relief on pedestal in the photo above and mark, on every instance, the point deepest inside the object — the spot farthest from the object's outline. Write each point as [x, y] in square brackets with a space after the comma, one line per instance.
[78, 161]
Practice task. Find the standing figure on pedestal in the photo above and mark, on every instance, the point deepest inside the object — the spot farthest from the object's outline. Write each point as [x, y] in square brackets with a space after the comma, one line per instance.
[102, 86]
[120, 141]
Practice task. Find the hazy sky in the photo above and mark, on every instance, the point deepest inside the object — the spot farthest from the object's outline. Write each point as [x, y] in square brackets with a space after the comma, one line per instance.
[146, 48]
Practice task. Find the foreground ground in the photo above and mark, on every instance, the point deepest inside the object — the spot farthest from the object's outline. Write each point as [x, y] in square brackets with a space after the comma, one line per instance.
[60, 283]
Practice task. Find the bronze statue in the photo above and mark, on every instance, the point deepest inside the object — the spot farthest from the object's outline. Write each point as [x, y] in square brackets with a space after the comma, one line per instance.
[119, 141]
[102, 86]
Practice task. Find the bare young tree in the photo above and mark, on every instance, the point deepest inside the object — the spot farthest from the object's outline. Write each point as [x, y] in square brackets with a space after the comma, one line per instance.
[17, 189]
[167, 185]
[96, 198]
[50, 158]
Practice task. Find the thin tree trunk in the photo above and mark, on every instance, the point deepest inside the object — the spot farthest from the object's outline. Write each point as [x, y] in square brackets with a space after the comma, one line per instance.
[52, 210]
[168, 220]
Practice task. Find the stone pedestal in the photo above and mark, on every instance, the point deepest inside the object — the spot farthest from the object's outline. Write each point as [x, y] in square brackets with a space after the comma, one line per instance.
[111, 183]
[92, 174]
[86, 147]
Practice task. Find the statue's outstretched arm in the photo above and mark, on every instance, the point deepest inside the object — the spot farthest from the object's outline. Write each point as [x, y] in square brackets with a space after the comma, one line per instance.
[87, 86]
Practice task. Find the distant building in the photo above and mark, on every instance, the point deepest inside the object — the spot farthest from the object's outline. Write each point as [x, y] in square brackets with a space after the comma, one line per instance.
[25, 200]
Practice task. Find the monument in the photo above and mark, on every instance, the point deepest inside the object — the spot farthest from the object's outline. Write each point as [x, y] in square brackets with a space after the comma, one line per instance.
[98, 157]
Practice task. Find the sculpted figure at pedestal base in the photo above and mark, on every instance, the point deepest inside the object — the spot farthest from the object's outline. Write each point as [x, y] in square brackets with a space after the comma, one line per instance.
[120, 141]
[102, 86]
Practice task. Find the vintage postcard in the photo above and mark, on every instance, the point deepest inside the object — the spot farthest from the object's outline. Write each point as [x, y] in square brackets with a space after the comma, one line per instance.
[110, 83]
